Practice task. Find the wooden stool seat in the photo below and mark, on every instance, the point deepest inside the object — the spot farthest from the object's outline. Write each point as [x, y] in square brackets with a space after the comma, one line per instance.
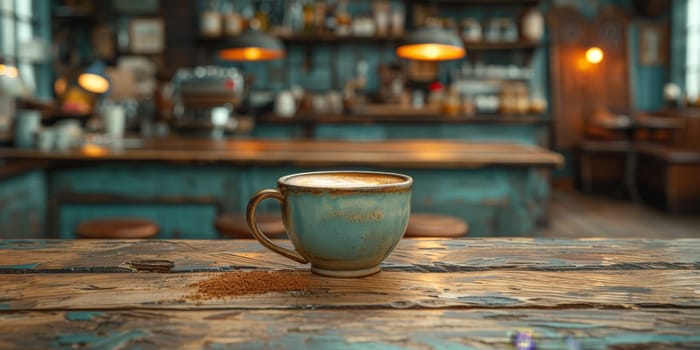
[435, 225]
[117, 228]
[235, 225]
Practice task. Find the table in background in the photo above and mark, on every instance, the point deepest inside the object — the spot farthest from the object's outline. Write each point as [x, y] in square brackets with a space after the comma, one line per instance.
[469, 293]
[629, 130]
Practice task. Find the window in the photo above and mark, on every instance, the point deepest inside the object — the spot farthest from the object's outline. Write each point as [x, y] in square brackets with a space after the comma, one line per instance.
[22, 24]
[692, 58]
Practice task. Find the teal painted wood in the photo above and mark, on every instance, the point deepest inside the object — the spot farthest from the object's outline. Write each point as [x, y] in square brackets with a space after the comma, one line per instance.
[350, 132]
[23, 205]
[183, 199]
[270, 131]
[190, 221]
[134, 180]
[495, 201]
[523, 134]
[646, 81]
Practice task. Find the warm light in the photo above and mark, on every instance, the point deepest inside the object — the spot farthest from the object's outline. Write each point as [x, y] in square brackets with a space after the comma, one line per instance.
[93, 83]
[59, 86]
[93, 150]
[594, 55]
[9, 71]
[250, 54]
[430, 52]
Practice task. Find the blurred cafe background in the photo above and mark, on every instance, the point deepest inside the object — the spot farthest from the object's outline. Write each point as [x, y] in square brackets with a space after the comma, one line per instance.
[537, 118]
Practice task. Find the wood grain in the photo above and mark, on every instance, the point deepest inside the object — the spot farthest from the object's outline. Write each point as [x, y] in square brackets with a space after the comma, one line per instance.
[360, 329]
[477, 289]
[393, 153]
[417, 255]
[468, 293]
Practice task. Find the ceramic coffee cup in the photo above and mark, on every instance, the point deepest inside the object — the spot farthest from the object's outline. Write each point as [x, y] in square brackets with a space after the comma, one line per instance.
[345, 223]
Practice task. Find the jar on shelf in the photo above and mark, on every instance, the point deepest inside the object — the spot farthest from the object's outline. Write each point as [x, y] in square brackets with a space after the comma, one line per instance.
[492, 30]
[471, 30]
[522, 99]
[398, 18]
[532, 24]
[509, 30]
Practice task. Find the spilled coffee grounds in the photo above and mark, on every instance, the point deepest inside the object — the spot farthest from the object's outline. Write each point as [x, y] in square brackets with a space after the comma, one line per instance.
[253, 282]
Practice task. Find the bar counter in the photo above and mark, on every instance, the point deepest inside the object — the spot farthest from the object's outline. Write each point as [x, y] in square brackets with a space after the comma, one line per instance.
[181, 183]
[393, 153]
[434, 294]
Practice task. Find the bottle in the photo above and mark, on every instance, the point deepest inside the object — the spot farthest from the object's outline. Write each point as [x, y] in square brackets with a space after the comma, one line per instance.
[309, 17]
[210, 21]
[248, 14]
[320, 16]
[343, 21]
[261, 15]
[233, 22]
[450, 106]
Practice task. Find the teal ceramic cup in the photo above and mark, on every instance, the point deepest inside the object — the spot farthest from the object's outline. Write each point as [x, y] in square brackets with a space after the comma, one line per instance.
[345, 223]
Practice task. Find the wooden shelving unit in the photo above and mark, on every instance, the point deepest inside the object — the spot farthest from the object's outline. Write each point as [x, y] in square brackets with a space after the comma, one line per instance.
[429, 118]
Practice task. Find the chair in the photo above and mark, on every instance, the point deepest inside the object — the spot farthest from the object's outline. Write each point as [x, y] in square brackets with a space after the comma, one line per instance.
[235, 225]
[435, 225]
[117, 228]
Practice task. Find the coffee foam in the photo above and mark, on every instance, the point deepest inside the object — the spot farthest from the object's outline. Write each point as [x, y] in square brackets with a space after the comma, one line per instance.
[343, 180]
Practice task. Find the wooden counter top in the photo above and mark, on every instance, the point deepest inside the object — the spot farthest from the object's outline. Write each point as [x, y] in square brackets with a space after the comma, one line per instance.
[393, 153]
[430, 294]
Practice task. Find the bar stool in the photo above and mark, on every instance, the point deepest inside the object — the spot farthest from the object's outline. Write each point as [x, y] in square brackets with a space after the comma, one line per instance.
[117, 228]
[235, 225]
[435, 225]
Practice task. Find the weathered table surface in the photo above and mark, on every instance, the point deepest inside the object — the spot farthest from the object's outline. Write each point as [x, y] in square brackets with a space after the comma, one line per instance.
[441, 294]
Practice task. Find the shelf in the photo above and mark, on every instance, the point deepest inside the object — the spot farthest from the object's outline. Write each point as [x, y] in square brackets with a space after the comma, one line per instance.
[332, 38]
[502, 45]
[477, 2]
[313, 38]
[312, 118]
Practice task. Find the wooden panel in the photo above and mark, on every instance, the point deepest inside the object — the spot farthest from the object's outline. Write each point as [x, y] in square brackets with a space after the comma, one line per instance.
[418, 255]
[360, 329]
[578, 87]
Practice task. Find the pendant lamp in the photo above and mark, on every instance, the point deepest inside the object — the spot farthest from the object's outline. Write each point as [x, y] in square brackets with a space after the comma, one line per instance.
[252, 45]
[431, 44]
[94, 79]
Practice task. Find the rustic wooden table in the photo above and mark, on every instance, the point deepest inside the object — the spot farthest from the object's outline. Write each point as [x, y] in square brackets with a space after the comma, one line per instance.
[431, 294]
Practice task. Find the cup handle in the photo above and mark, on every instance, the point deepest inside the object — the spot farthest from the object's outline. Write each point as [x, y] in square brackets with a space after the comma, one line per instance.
[259, 235]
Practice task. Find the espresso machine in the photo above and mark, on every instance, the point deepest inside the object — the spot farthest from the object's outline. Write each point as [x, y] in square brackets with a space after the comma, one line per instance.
[205, 100]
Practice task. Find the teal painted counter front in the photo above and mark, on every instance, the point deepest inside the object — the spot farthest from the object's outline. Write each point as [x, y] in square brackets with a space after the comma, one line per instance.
[23, 205]
[501, 189]
[185, 199]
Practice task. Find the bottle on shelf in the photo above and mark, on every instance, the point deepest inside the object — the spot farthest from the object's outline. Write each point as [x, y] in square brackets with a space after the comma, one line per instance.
[233, 21]
[210, 20]
[261, 15]
[343, 21]
[294, 17]
[309, 12]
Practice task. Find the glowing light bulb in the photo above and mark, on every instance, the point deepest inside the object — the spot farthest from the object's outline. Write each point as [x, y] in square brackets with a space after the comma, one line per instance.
[594, 55]
[93, 83]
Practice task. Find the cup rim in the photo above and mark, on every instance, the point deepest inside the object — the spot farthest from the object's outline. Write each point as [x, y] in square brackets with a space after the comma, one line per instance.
[406, 183]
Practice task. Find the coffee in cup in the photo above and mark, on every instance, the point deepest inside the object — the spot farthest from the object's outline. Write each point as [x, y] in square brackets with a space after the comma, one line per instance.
[345, 223]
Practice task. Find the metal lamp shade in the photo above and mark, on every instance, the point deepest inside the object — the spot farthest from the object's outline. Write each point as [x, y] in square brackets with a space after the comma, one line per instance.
[252, 45]
[431, 44]
[94, 79]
